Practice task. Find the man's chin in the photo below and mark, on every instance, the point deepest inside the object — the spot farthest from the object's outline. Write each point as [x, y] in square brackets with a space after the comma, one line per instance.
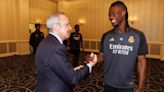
[115, 25]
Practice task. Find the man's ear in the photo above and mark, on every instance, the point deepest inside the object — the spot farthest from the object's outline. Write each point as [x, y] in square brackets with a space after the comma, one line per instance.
[56, 27]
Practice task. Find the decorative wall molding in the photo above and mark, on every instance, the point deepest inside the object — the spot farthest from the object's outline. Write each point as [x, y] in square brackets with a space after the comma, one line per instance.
[90, 45]
[9, 48]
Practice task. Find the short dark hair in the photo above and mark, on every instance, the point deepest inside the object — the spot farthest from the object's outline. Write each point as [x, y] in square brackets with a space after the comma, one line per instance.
[37, 24]
[123, 6]
[77, 25]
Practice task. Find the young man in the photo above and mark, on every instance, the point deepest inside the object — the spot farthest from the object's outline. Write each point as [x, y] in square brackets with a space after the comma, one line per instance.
[119, 49]
[36, 37]
[76, 42]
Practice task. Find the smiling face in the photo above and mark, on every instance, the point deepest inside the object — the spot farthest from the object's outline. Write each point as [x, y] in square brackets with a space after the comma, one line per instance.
[116, 15]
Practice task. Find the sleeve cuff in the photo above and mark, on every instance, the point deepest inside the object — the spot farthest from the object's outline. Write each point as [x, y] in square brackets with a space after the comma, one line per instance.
[90, 67]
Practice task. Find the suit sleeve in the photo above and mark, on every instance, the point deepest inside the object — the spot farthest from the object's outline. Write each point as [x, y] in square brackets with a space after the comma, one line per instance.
[64, 70]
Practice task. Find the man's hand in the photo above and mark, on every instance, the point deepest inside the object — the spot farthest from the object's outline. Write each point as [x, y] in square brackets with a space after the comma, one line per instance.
[92, 59]
[138, 90]
[101, 57]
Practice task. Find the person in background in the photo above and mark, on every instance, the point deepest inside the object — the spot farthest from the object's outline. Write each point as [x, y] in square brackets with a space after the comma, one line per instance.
[75, 43]
[54, 72]
[119, 49]
[65, 42]
[36, 37]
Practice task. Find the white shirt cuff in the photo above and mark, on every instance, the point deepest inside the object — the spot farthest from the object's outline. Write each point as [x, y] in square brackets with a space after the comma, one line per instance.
[90, 67]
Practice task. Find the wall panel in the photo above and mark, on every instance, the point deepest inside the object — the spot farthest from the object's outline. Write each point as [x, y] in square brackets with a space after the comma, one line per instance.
[9, 19]
[3, 48]
[39, 10]
[14, 23]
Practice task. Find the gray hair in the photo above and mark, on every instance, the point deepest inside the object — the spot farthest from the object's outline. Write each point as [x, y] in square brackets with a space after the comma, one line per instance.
[53, 19]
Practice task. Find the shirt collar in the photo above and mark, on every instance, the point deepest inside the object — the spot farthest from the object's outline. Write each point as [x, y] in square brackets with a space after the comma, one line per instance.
[60, 40]
[116, 31]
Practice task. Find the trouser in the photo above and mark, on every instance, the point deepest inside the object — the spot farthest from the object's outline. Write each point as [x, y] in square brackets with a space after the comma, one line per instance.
[75, 57]
[113, 89]
[34, 49]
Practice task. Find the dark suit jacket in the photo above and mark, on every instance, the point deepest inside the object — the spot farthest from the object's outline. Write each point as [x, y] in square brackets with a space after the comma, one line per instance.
[54, 72]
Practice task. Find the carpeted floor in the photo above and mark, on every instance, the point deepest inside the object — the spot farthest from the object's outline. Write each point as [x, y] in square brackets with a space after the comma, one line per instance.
[18, 74]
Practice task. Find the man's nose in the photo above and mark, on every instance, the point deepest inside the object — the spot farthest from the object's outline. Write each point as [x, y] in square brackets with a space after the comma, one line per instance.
[70, 28]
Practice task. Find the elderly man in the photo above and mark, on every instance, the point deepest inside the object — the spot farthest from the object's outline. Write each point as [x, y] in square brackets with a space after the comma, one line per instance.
[54, 72]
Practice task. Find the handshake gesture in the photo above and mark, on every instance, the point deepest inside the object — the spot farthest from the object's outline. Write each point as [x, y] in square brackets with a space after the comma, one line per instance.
[91, 61]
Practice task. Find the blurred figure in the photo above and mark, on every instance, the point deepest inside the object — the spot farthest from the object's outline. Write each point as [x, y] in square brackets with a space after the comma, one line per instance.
[75, 43]
[65, 42]
[119, 49]
[36, 37]
[54, 72]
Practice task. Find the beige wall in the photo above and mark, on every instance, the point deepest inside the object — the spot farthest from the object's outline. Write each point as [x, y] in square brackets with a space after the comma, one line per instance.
[39, 10]
[94, 12]
[14, 25]
[149, 16]
[23, 32]
[14, 22]
[162, 48]
[9, 19]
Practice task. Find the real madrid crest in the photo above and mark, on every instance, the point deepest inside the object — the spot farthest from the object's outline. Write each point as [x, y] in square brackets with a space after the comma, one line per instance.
[131, 39]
